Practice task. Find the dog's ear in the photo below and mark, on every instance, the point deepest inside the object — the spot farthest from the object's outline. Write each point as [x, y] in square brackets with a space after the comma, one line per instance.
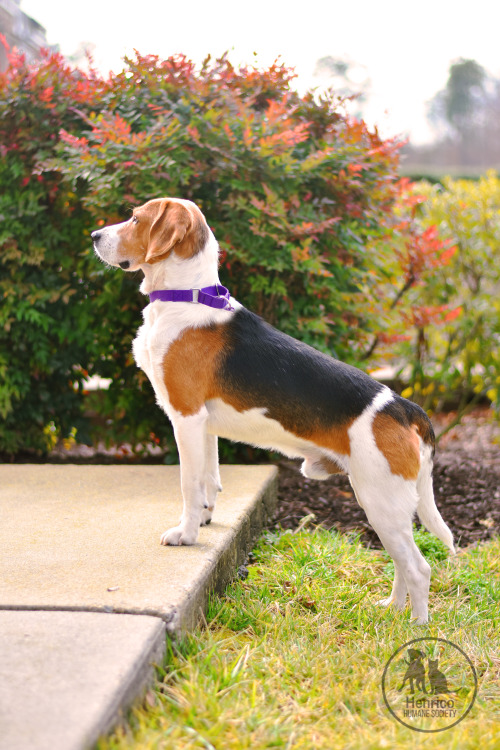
[177, 227]
[169, 228]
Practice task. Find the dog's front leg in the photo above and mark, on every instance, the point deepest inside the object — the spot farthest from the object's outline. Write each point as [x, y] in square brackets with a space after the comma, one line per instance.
[213, 478]
[190, 434]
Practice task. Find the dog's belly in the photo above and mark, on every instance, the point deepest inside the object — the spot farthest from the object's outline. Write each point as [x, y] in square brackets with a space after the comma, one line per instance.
[255, 428]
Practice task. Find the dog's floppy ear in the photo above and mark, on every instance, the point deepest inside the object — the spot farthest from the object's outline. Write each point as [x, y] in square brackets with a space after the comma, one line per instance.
[169, 228]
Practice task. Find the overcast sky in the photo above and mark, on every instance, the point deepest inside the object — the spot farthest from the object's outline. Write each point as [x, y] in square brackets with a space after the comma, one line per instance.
[405, 48]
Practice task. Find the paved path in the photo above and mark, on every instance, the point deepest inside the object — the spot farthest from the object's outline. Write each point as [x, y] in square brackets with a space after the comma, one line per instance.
[87, 593]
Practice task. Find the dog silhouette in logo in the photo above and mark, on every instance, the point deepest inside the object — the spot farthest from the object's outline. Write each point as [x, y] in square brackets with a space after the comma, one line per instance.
[415, 674]
[437, 679]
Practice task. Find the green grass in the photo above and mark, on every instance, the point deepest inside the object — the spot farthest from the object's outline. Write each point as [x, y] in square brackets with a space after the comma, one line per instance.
[293, 657]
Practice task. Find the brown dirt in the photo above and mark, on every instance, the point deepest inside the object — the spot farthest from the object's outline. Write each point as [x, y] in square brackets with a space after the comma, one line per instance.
[466, 486]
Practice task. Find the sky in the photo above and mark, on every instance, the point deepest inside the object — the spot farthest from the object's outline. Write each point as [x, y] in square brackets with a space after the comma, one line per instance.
[403, 48]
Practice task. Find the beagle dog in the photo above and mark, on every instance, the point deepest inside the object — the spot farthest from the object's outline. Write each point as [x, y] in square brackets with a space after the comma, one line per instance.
[219, 370]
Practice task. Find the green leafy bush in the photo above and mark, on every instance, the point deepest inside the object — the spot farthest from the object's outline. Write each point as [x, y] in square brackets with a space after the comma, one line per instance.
[300, 196]
[462, 355]
[292, 188]
[47, 315]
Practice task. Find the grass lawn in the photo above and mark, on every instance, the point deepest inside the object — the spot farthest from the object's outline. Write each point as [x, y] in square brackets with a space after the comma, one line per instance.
[293, 657]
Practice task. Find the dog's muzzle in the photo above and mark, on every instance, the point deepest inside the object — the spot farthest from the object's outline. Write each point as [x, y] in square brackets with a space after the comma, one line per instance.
[96, 236]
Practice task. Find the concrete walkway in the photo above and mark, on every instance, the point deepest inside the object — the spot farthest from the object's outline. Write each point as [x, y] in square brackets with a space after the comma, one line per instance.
[87, 593]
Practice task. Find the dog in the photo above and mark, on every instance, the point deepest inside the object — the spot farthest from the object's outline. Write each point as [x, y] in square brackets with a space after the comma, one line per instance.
[219, 370]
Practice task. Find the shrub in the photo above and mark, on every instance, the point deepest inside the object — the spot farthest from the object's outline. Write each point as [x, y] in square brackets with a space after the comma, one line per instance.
[47, 315]
[462, 355]
[292, 188]
[300, 196]
[398, 268]
[436, 292]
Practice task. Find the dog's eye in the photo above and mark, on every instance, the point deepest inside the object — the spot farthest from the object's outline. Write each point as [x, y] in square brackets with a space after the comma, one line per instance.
[134, 219]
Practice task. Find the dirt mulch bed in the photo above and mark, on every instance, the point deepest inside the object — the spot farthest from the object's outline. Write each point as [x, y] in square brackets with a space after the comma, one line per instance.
[466, 486]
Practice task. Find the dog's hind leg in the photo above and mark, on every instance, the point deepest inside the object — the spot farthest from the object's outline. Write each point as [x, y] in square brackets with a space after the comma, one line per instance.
[213, 478]
[399, 590]
[390, 510]
[412, 570]
[191, 436]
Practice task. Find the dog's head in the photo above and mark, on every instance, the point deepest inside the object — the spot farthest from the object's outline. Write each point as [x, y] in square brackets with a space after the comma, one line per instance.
[156, 229]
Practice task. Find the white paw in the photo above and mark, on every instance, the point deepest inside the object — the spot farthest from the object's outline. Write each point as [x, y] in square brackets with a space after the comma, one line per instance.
[391, 602]
[385, 602]
[206, 516]
[178, 535]
[419, 619]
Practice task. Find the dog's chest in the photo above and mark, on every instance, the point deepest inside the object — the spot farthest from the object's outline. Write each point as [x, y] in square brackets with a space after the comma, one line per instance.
[152, 341]
[140, 348]
[143, 348]
[164, 325]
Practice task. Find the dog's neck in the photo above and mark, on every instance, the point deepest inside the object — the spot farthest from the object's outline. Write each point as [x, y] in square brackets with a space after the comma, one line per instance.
[180, 273]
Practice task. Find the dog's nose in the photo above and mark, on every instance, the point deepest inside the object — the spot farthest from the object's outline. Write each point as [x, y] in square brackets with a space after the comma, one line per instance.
[95, 235]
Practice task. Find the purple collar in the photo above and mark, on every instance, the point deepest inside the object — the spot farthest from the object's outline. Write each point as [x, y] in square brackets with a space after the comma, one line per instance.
[213, 296]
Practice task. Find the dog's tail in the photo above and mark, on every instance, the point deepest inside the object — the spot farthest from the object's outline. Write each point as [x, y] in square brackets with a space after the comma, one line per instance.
[426, 508]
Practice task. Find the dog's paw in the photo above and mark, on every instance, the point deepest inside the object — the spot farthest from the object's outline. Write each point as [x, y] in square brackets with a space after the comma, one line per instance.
[385, 602]
[391, 602]
[177, 536]
[206, 516]
[422, 619]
